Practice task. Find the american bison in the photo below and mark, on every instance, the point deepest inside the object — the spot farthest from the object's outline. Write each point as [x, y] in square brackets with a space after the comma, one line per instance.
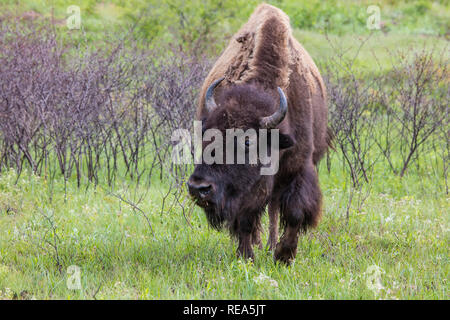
[264, 79]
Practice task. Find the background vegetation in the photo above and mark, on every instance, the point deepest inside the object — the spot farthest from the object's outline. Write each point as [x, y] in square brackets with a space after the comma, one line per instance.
[85, 172]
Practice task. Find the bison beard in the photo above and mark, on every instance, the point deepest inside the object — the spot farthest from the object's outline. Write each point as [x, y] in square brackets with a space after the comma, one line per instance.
[265, 79]
[216, 215]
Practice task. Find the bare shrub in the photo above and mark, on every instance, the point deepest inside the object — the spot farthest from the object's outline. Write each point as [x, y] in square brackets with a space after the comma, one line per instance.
[413, 106]
[351, 104]
[400, 117]
[110, 110]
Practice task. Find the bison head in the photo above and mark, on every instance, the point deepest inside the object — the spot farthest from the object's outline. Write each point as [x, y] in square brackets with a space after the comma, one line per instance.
[224, 189]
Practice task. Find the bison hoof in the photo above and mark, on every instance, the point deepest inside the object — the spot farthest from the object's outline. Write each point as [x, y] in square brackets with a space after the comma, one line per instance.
[285, 254]
[246, 255]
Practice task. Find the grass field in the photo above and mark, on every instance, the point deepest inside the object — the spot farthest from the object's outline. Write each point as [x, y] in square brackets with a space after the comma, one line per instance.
[395, 246]
[402, 230]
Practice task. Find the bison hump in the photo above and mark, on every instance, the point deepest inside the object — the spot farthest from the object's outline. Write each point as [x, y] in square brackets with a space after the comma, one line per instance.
[263, 53]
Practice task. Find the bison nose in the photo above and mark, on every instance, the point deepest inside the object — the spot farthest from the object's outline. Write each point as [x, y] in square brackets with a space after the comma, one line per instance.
[200, 190]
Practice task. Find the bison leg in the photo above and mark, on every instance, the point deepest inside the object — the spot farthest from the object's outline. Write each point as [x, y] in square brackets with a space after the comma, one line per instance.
[246, 226]
[245, 246]
[256, 238]
[273, 226]
[300, 208]
[287, 247]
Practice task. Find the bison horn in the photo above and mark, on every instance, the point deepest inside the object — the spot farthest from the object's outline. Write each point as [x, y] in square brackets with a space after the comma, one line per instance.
[209, 97]
[275, 119]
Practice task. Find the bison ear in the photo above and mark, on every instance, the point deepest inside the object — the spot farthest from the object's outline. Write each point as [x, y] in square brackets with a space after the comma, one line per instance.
[286, 141]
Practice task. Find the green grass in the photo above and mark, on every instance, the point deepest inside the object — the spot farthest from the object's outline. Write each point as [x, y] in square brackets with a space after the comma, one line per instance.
[407, 26]
[181, 22]
[371, 53]
[341, 17]
[402, 229]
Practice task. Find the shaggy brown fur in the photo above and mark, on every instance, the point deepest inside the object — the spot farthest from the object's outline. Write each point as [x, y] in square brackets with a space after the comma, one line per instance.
[262, 56]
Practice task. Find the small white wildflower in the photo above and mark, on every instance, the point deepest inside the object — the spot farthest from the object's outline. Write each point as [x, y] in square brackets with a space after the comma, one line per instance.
[6, 294]
[263, 279]
[273, 283]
